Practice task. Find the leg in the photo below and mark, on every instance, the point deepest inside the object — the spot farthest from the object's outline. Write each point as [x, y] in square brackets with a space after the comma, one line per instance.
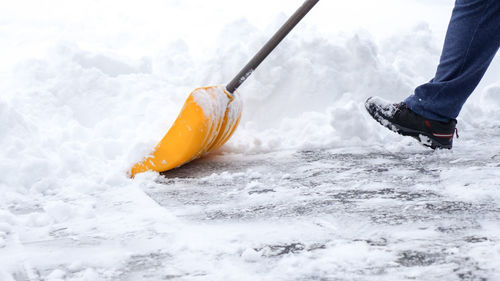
[472, 40]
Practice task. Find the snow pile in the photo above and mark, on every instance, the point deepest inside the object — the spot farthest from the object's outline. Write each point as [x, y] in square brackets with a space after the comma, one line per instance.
[68, 135]
[324, 106]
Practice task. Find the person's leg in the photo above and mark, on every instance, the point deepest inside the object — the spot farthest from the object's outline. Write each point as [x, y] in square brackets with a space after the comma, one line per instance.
[472, 40]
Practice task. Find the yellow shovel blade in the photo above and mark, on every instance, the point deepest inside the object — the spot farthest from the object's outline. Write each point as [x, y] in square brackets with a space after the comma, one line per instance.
[207, 121]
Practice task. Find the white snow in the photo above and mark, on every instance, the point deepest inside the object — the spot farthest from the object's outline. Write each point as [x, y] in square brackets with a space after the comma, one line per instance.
[303, 190]
[213, 102]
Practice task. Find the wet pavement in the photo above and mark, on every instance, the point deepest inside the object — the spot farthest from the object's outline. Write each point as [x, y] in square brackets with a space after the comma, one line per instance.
[356, 216]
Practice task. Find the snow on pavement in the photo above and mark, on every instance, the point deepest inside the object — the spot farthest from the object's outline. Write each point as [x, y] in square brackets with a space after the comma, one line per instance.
[340, 214]
[309, 187]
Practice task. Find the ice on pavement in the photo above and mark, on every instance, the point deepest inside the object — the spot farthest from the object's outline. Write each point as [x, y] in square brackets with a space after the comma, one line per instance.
[308, 188]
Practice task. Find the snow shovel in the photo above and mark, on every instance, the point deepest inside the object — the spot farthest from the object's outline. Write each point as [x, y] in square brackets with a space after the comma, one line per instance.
[211, 114]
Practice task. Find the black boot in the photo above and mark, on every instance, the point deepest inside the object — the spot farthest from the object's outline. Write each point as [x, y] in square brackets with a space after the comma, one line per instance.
[400, 119]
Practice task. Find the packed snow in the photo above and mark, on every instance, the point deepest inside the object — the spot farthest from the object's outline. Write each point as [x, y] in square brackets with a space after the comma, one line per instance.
[308, 188]
[213, 103]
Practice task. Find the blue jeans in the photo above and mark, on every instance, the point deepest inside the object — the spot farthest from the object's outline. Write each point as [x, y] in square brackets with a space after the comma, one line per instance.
[472, 40]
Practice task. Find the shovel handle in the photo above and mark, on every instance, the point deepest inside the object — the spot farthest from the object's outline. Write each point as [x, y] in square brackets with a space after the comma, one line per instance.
[270, 45]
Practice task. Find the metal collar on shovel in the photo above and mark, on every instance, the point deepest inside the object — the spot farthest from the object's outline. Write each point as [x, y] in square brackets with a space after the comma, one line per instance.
[211, 114]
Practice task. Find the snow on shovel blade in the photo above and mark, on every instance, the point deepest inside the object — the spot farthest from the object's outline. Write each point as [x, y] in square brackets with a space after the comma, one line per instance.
[208, 119]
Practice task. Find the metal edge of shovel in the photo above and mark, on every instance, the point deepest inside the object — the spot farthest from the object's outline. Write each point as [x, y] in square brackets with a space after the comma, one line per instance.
[210, 114]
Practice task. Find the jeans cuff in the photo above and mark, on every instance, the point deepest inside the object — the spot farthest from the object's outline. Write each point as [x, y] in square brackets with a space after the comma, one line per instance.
[419, 108]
